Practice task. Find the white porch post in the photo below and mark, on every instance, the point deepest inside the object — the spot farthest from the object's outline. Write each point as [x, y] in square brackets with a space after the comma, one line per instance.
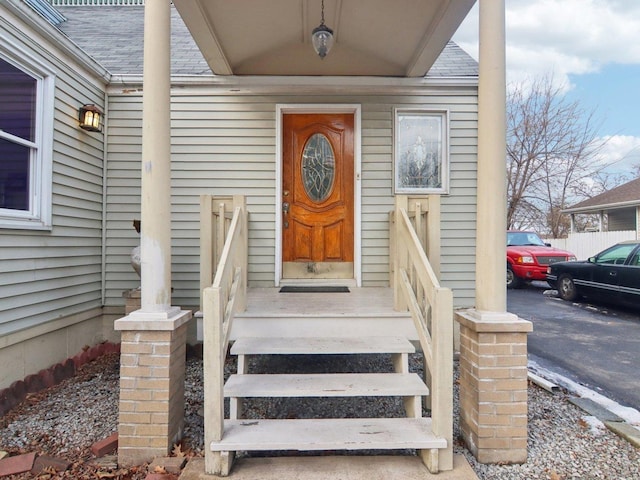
[153, 344]
[156, 160]
[493, 342]
[492, 189]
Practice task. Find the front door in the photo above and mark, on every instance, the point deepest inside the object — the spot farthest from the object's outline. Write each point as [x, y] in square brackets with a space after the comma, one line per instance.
[318, 196]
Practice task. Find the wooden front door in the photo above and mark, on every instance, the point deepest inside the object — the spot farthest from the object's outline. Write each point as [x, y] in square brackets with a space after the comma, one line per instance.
[318, 196]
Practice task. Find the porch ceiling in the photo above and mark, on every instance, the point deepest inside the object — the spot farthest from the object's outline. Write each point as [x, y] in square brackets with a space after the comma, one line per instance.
[372, 37]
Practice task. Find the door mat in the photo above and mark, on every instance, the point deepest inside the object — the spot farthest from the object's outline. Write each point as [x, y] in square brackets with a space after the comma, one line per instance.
[314, 289]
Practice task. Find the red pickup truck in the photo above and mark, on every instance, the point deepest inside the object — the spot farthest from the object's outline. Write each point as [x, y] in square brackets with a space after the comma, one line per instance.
[528, 257]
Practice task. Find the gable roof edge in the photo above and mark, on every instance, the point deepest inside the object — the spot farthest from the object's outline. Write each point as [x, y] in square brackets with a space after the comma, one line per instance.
[36, 21]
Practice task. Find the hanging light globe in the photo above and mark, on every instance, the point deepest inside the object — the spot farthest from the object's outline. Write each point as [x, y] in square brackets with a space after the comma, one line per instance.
[322, 39]
[322, 36]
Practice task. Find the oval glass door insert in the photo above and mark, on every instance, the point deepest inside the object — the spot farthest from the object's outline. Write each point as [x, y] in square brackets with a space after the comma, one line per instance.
[318, 168]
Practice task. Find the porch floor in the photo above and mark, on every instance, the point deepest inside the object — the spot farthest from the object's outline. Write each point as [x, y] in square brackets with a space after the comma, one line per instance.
[362, 302]
[364, 311]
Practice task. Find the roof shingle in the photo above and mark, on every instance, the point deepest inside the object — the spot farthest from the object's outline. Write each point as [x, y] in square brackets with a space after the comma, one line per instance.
[625, 193]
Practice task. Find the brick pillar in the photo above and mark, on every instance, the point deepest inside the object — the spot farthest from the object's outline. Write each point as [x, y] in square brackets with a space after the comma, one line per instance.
[493, 385]
[152, 371]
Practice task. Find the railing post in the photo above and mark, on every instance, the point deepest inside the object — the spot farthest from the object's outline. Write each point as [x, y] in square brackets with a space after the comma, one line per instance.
[433, 233]
[221, 231]
[206, 242]
[213, 362]
[442, 374]
[243, 251]
[400, 255]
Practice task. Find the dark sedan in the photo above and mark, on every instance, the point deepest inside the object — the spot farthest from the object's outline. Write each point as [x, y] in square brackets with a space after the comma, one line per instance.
[612, 275]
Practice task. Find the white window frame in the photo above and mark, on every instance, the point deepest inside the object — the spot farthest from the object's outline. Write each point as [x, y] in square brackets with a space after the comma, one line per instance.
[443, 115]
[38, 217]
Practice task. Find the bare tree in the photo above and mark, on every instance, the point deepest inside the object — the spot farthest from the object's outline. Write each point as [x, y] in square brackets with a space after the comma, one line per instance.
[551, 146]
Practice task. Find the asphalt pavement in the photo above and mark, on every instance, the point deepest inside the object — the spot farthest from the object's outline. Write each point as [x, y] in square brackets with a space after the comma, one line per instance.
[595, 345]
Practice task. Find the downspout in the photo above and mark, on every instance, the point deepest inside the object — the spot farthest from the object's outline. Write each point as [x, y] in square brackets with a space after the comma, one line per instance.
[103, 268]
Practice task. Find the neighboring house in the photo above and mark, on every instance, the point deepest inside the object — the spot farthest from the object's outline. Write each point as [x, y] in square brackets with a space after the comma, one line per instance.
[618, 213]
[618, 209]
[241, 105]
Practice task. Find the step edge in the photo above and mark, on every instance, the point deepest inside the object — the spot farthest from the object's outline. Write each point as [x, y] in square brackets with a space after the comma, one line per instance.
[428, 441]
[409, 385]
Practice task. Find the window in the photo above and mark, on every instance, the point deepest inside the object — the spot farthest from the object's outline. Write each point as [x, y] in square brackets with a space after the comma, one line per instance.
[26, 132]
[616, 255]
[421, 153]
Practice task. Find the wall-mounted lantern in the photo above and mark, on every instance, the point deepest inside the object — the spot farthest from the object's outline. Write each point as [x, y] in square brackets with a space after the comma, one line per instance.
[90, 118]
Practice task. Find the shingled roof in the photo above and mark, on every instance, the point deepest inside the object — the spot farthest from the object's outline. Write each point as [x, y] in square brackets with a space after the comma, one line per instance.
[626, 195]
[113, 36]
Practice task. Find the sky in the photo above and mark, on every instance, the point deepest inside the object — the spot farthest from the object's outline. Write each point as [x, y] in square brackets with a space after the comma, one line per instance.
[591, 49]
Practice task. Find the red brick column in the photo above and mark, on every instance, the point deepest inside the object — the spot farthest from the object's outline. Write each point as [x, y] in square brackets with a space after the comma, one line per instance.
[493, 385]
[152, 372]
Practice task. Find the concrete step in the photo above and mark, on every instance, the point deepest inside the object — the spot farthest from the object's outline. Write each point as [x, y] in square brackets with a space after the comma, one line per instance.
[320, 345]
[328, 434]
[326, 385]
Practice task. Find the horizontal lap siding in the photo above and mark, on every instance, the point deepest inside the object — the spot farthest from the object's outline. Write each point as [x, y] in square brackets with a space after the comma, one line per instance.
[224, 145]
[48, 275]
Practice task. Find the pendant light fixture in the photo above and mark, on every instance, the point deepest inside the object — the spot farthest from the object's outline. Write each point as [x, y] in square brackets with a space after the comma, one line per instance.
[322, 37]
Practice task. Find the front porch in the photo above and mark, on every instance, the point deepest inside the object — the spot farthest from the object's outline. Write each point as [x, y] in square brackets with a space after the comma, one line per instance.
[359, 321]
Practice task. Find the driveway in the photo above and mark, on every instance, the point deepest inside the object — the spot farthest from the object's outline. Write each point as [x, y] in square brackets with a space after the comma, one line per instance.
[595, 345]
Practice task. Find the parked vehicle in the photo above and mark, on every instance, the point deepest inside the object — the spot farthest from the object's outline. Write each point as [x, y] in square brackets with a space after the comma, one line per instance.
[613, 275]
[528, 257]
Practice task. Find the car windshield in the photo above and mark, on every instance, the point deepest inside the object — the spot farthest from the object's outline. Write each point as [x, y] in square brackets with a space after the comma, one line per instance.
[523, 238]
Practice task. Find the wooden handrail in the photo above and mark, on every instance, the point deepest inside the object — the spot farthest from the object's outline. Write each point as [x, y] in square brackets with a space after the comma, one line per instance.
[417, 289]
[220, 302]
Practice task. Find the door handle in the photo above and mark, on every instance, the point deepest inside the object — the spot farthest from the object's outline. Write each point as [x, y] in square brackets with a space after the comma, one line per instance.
[285, 211]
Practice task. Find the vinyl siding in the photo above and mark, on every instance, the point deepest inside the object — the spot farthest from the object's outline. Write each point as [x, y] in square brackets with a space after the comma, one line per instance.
[225, 144]
[49, 275]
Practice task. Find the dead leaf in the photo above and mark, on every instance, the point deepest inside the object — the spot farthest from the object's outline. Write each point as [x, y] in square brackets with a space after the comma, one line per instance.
[159, 469]
[177, 450]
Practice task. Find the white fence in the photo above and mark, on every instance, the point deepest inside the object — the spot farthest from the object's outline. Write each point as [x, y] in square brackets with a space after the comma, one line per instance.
[587, 244]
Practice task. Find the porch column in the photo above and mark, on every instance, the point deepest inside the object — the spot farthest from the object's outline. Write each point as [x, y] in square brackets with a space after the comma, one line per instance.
[491, 294]
[153, 338]
[493, 352]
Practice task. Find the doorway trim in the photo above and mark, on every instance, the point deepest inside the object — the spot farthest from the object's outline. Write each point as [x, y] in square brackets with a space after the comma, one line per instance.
[354, 109]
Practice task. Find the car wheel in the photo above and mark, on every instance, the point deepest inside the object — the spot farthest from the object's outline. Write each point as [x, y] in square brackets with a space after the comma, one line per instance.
[512, 280]
[566, 288]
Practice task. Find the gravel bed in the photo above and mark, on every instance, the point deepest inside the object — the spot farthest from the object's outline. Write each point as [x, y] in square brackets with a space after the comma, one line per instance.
[64, 421]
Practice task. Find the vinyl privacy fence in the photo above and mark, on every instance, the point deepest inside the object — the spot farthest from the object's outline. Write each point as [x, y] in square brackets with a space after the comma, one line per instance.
[587, 244]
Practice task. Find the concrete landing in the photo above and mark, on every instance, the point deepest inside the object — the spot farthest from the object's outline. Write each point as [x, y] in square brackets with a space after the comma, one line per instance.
[332, 468]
